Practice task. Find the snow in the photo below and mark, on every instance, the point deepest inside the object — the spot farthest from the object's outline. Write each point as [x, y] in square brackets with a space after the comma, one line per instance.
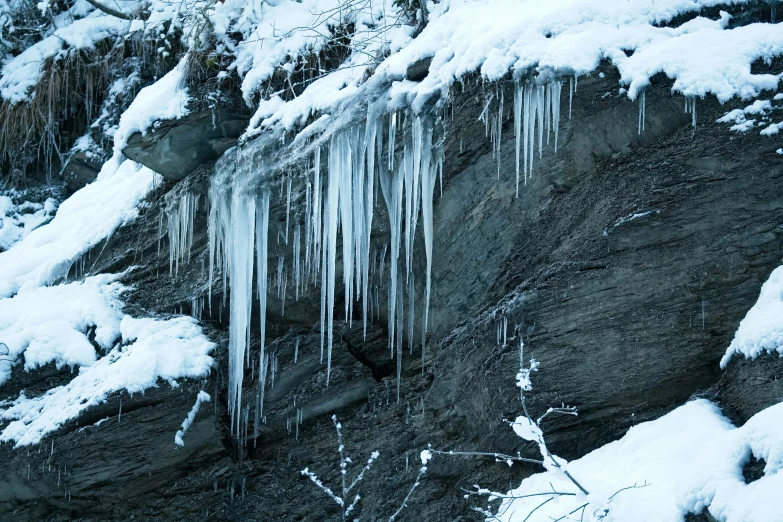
[85, 219]
[761, 331]
[689, 459]
[17, 220]
[165, 99]
[49, 324]
[760, 108]
[152, 350]
[569, 37]
[188, 422]
[20, 74]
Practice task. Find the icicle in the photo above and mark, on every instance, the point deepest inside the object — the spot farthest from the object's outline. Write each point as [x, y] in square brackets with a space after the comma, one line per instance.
[308, 230]
[262, 254]
[570, 94]
[428, 174]
[317, 210]
[400, 313]
[336, 166]
[296, 350]
[499, 133]
[693, 111]
[373, 140]
[297, 256]
[392, 189]
[519, 96]
[260, 395]
[241, 268]
[287, 209]
[180, 214]
[557, 87]
[392, 137]
[642, 108]
[340, 163]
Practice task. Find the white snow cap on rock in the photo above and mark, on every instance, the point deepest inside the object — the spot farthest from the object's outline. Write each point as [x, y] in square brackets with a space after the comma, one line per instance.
[166, 99]
[762, 328]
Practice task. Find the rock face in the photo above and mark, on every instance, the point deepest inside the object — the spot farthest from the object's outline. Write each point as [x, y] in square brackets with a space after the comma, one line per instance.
[626, 263]
[176, 148]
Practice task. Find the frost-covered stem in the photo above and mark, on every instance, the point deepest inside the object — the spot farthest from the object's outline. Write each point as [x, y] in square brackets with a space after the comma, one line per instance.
[374, 455]
[499, 457]
[582, 507]
[343, 459]
[422, 471]
[500, 495]
[537, 508]
[545, 450]
[323, 487]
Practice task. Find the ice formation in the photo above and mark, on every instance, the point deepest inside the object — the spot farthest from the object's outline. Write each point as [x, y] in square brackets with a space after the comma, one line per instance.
[339, 202]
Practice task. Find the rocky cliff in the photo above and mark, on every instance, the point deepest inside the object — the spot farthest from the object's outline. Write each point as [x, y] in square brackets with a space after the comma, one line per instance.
[625, 264]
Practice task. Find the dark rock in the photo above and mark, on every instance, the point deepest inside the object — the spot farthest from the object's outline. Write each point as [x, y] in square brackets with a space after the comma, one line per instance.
[176, 148]
[80, 170]
[418, 70]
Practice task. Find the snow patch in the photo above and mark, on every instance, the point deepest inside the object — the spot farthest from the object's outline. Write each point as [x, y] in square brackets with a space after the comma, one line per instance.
[82, 221]
[762, 328]
[165, 99]
[50, 324]
[685, 461]
[156, 350]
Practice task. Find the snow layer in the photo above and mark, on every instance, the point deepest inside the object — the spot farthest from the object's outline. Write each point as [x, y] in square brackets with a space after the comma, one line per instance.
[690, 459]
[83, 220]
[762, 328]
[563, 37]
[18, 220]
[165, 99]
[49, 324]
[155, 349]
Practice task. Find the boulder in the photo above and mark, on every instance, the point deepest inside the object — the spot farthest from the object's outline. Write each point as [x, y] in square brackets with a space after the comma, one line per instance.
[175, 148]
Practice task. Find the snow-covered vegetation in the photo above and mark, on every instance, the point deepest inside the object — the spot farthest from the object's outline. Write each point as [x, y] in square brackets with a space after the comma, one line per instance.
[19, 218]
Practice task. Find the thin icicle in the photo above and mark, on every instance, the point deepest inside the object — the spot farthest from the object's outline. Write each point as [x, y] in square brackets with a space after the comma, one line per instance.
[262, 254]
[261, 394]
[427, 188]
[297, 259]
[333, 201]
[642, 110]
[570, 94]
[392, 190]
[287, 208]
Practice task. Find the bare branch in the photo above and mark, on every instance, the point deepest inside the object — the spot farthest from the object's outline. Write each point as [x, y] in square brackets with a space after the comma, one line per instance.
[110, 11]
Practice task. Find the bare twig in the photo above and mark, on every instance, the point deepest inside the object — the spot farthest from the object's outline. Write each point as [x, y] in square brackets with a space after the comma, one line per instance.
[110, 11]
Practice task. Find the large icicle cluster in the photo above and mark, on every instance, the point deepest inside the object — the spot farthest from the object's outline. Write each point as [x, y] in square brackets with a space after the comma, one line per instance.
[339, 200]
[536, 105]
